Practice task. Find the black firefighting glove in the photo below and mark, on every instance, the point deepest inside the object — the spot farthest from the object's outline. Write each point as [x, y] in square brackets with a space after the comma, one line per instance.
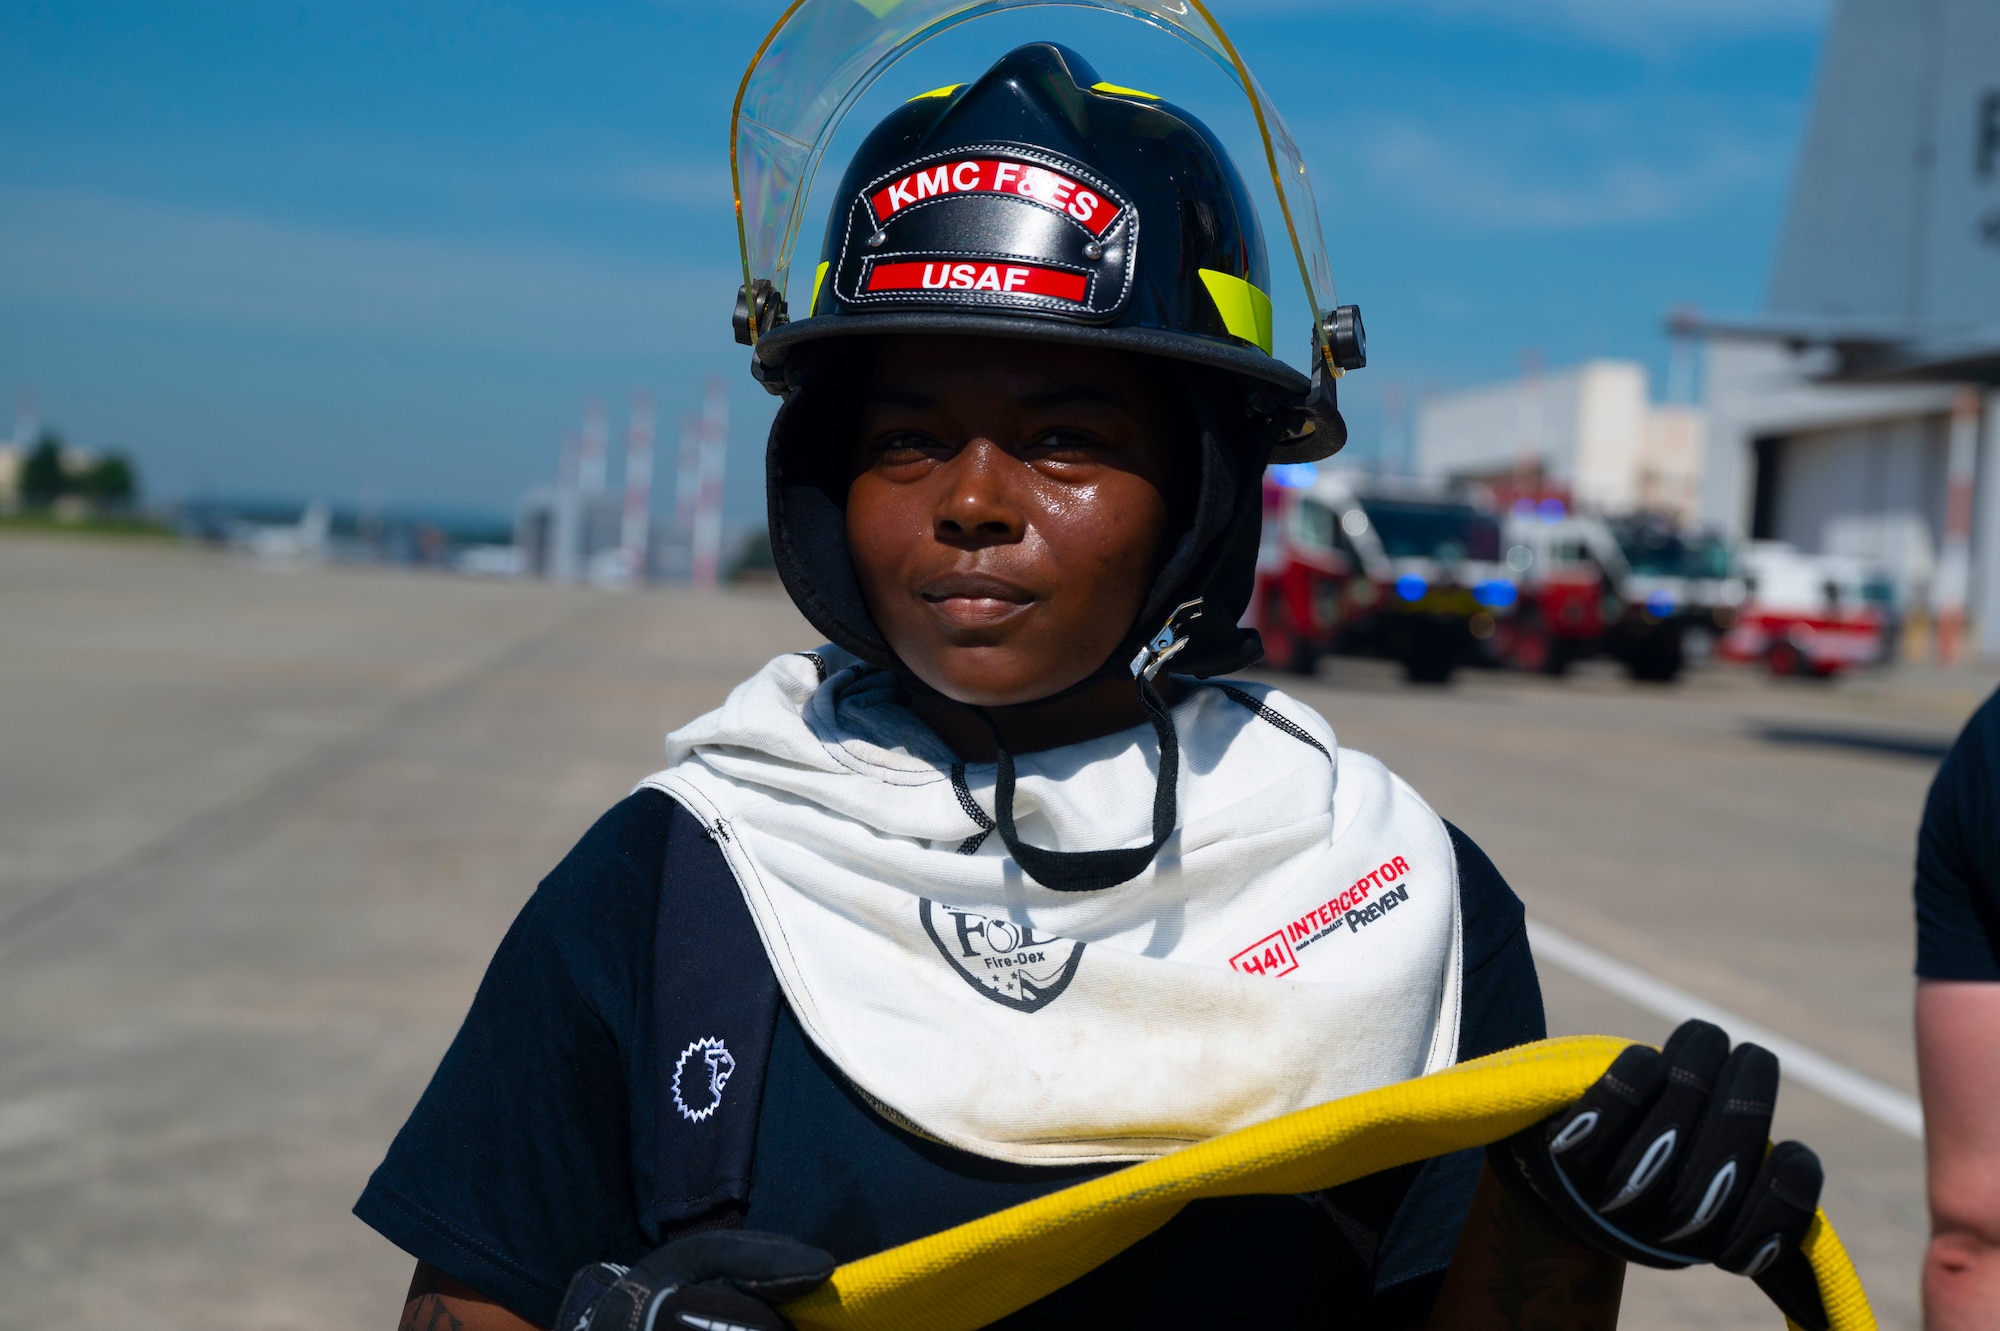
[1663, 1162]
[715, 1280]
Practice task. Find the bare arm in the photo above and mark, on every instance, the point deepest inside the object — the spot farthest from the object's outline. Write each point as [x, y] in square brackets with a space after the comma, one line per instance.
[1958, 1069]
[436, 1302]
[1512, 1272]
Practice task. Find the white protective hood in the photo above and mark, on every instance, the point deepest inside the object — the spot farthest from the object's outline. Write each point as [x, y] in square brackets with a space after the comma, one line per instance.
[1296, 941]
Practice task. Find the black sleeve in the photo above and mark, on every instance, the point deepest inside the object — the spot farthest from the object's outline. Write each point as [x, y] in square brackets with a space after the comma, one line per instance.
[1958, 851]
[515, 1167]
[1500, 1003]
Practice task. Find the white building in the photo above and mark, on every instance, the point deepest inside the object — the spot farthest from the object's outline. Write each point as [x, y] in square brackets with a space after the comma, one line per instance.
[1588, 431]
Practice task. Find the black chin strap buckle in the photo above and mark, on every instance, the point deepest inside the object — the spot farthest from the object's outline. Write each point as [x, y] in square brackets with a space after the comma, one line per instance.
[1165, 645]
[1095, 870]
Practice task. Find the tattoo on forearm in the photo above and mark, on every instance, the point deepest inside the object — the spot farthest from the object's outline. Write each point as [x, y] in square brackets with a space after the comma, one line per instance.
[427, 1312]
[424, 1308]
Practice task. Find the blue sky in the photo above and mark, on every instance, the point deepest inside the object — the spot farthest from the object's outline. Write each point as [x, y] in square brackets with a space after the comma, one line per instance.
[319, 249]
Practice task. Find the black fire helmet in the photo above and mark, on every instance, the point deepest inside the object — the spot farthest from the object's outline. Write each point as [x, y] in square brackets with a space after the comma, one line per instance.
[1042, 202]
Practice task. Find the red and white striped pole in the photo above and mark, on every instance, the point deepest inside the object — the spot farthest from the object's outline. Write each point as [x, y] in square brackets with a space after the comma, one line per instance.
[565, 526]
[635, 535]
[711, 462]
[590, 467]
[1955, 561]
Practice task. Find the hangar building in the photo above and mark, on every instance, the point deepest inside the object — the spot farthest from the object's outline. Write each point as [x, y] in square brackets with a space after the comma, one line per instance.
[1860, 413]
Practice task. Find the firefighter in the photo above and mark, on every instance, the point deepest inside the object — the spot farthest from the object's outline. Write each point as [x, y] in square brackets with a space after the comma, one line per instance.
[1004, 886]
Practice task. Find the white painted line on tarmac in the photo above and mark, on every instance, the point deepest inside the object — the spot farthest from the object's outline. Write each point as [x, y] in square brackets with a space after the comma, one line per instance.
[1863, 1094]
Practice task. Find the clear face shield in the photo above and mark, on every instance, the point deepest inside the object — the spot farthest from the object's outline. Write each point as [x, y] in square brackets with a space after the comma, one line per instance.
[823, 55]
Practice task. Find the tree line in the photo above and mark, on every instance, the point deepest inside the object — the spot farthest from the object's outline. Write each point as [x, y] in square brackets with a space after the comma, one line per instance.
[51, 473]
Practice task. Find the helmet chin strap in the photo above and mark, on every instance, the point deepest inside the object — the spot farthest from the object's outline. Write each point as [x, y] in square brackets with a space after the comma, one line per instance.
[1094, 870]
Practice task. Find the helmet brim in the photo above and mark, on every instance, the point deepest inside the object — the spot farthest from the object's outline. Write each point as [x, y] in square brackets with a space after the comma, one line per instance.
[1321, 432]
[1269, 372]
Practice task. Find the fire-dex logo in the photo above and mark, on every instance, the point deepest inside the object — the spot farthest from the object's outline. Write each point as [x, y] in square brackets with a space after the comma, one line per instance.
[1009, 963]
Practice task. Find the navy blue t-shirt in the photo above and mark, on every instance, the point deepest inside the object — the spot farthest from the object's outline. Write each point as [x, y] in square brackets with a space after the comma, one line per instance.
[525, 1158]
[1958, 858]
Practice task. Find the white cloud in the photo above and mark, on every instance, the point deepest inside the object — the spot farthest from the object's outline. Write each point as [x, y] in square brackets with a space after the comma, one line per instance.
[1481, 187]
[166, 261]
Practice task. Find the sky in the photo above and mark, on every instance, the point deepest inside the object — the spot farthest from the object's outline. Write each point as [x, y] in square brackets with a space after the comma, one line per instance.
[390, 251]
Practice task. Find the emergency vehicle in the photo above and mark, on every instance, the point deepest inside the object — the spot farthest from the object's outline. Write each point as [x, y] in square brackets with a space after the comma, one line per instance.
[1374, 567]
[1809, 615]
[1683, 594]
[1570, 575]
[1634, 590]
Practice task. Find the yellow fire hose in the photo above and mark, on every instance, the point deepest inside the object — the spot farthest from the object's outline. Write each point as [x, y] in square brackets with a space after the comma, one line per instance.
[979, 1272]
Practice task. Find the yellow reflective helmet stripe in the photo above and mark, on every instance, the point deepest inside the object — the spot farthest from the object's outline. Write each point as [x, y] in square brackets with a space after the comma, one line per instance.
[819, 276]
[984, 1269]
[1116, 90]
[1246, 311]
[946, 91]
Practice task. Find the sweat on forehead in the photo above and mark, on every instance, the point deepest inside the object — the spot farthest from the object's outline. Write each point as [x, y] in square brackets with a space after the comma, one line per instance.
[1009, 384]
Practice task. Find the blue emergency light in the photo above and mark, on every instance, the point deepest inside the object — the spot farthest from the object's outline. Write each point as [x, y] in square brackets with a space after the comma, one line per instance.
[1294, 475]
[1495, 593]
[1411, 587]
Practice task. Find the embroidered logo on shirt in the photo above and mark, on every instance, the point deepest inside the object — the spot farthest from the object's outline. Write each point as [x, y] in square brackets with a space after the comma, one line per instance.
[1007, 962]
[721, 1063]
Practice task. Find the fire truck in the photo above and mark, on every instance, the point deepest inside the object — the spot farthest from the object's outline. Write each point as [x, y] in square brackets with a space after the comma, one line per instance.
[1570, 573]
[1634, 590]
[1810, 615]
[1683, 594]
[1366, 566]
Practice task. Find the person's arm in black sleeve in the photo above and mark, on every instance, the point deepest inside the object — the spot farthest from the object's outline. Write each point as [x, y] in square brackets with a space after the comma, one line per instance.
[1460, 1251]
[1958, 1025]
[1958, 844]
[514, 1169]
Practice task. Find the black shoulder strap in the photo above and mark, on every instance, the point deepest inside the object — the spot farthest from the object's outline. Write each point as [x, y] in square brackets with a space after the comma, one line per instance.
[715, 1004]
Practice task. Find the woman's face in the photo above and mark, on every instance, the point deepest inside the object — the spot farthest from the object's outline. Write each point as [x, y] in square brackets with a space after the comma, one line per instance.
[1009, 507]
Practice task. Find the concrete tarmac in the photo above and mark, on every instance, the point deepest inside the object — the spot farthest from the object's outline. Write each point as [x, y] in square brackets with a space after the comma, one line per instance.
[262, 830]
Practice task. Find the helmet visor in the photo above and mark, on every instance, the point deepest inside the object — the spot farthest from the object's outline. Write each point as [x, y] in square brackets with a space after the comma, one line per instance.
[822, 55]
